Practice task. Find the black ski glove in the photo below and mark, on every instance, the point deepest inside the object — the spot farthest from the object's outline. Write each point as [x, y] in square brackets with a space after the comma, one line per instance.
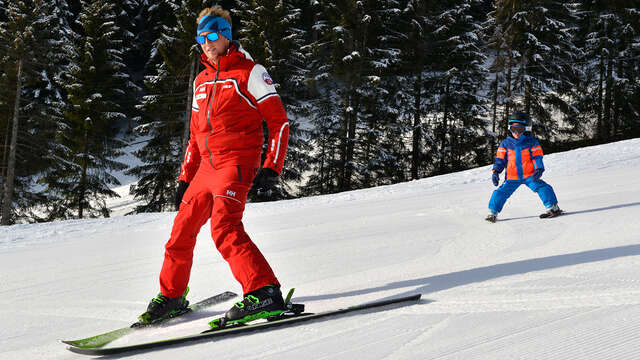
[495, 177]
[537, 174]
[265, 181]
[182, 187]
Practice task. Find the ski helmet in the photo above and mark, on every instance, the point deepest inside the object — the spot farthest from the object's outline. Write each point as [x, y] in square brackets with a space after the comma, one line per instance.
[520, 122]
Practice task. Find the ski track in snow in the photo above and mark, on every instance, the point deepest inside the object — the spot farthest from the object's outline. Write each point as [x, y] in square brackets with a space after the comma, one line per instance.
[523, 288]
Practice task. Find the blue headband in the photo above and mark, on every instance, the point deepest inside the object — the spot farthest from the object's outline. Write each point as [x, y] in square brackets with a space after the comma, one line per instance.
[215, 24]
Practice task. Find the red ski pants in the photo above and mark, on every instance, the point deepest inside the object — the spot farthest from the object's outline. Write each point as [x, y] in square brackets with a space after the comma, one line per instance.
[218, 194]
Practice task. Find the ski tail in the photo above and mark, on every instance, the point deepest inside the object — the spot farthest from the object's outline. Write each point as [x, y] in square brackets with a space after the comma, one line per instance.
[105, 338]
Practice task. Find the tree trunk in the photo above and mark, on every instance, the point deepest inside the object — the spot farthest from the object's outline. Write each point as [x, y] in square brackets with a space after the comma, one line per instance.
[608, 98]
[344, 140]
[600, 125]
[82, 188]
[187, 114]
[618, 100]
[350, 142]
[527, 98]
[5, 155]
[445, 119]
[417, 128]
[11, 165]
[508, 108]
[494, 112]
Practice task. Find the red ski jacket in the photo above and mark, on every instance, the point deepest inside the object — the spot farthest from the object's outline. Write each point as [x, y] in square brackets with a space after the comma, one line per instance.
[230, 99]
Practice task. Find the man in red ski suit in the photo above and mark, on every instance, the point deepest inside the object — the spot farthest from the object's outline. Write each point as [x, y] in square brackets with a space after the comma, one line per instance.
[231, 97]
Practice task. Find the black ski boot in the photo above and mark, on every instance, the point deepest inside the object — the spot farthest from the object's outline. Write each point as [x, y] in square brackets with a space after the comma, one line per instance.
[491, 218]
[262, 303]
[162, 307]
[552, 212]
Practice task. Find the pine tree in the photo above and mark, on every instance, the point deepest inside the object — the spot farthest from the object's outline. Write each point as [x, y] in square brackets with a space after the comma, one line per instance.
[407, 85]
[41, 100]
[382, 135]
[536, 56]
[611, 66]
[350, 64]
[96, 84]
[270, 30]
[166, 108]
[459, 130]
[325, 113]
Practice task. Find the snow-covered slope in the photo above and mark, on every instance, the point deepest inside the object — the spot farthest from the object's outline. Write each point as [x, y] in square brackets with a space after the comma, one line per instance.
[523, 288]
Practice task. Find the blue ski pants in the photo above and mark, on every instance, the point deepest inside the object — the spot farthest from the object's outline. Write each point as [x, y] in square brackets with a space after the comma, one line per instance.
[501, 194]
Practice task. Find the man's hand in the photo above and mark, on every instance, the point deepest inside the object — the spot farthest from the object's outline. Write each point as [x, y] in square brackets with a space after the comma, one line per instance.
[265, 180]
[182, 187]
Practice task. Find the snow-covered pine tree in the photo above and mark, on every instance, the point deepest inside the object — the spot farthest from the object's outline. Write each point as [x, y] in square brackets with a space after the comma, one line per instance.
[349, 63]
[610, 37]
[537, 58]
[130, 23]
[382, 135]
[458, 102]
[173, 61]
[29, 26]
[408, 89]
[495, 47]
[97, 84]
[272, 32]
[325, 117]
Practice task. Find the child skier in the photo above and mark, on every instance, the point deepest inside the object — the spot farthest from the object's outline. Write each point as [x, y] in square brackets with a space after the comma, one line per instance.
[521, 155]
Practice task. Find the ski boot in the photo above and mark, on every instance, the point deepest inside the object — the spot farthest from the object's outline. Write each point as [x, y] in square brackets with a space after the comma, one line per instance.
[162, 307]
[264, 303]
[552, 212]
[491, 218]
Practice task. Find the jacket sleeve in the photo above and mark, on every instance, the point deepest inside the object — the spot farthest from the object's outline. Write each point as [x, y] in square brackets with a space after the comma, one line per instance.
[536, 154]
[191, 160]
[261, 87]
[501, 158]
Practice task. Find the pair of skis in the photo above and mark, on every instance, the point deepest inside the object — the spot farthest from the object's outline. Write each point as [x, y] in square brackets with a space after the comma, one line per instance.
[294, 314]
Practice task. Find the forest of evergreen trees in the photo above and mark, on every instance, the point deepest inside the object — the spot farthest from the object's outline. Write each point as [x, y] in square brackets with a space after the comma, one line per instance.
[377, 91]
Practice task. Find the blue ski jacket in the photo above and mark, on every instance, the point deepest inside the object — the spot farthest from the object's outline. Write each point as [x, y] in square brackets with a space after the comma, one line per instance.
[521, 157]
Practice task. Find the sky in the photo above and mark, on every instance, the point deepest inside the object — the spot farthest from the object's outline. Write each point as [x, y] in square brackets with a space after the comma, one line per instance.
[522, 288]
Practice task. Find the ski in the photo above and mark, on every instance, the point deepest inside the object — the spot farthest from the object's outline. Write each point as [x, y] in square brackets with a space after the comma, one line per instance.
[103, 339]
[285, 320]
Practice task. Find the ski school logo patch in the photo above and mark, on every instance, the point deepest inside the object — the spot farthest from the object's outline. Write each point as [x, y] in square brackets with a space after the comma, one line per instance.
[267, 79]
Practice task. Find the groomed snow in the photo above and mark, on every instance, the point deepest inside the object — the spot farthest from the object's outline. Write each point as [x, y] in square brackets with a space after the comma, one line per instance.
[523, 288]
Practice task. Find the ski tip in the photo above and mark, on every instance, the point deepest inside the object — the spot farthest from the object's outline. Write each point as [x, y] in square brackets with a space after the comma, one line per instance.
[67, 342]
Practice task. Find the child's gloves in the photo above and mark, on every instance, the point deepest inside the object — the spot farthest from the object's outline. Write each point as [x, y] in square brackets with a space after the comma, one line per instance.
[537, 174]
[495, 177]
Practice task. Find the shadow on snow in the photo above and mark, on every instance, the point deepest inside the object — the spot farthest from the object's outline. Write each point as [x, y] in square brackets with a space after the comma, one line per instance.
[437, 283]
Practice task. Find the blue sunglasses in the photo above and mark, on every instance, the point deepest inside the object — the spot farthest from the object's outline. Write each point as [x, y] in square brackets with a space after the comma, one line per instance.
[212, 36]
